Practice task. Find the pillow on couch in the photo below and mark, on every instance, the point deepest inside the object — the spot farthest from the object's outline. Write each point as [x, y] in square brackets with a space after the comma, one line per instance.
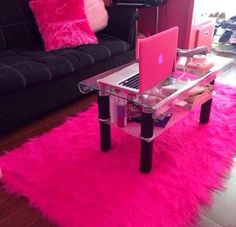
[96, 14]
[62, 23]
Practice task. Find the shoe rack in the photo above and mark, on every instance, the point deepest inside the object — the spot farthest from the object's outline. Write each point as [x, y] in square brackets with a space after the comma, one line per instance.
[225, 33]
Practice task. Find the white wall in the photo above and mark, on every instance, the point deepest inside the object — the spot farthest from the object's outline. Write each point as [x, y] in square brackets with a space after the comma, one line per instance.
[213, 6]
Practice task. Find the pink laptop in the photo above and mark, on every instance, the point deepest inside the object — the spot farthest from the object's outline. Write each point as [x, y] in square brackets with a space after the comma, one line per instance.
[157, 56]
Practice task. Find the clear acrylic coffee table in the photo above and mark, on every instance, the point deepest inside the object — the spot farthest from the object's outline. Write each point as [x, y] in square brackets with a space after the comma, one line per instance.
[149, 114]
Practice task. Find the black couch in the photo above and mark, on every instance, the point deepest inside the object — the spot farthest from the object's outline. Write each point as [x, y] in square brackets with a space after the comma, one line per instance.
[34, 82]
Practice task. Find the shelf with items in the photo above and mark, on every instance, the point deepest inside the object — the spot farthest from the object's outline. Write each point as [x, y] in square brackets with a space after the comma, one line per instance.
[175, 114]
[197, 97]
[126, 115]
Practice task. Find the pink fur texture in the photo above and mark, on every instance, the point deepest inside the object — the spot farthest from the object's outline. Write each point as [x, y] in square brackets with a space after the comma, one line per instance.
[62, 23]
[65, 175]
[96, 14]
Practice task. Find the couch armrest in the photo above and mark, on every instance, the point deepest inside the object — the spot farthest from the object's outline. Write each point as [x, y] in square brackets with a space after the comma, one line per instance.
[122, 23]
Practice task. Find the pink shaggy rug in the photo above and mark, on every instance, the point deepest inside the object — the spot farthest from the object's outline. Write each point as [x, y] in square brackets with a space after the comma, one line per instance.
[64, 174]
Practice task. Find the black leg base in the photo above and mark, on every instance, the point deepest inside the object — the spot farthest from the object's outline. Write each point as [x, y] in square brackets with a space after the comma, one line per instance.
[205, 112]
[147, 129]
[104, 118]
[105, 136]
[146, 156]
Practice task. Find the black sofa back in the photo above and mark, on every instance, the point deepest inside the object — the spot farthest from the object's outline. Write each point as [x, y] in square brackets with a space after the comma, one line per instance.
[17, 20]
[34, 82]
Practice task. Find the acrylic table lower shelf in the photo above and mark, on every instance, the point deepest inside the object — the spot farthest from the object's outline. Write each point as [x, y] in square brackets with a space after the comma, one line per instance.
[177, 113]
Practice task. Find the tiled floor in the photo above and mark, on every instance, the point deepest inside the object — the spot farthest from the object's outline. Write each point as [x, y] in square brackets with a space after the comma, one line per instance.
[207, 222]
[223, 211]
[229, 77]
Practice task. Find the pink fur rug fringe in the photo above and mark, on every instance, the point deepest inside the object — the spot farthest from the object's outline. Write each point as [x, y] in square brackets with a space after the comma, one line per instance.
[65, 175]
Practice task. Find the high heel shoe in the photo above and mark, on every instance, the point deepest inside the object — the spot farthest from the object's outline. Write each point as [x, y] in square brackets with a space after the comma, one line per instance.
[215, 15]
[221, 16]
[225, 36]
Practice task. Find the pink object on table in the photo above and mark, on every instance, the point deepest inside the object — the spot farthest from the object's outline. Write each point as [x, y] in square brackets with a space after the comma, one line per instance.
[62, 23]
[200, 63]
[96, 14]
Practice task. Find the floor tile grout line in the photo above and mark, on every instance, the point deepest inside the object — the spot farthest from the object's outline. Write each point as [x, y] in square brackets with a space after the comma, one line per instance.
[13, 213]
[212, 220]
[33, 221]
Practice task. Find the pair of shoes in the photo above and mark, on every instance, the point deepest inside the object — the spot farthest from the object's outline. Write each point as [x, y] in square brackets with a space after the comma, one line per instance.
[226, 24]
[232, 39]
[220, 19]
[232, 19]
[218, 16]
[225, 36]
[215, 15]
[221, 16]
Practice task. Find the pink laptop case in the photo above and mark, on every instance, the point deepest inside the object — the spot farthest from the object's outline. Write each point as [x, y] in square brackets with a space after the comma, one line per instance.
[157, 56]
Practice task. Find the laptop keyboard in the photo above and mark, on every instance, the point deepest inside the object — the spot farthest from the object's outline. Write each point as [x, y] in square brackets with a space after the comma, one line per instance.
[132, 82]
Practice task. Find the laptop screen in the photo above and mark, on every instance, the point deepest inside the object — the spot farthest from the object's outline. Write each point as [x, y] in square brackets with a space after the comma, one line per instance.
[157, 56]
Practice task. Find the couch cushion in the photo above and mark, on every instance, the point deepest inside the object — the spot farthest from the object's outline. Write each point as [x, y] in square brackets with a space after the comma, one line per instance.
[27, 66]
[63, 23]
[17, 24]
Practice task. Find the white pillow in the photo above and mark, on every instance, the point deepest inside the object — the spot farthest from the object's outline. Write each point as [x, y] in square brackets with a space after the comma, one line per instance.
[96, 14]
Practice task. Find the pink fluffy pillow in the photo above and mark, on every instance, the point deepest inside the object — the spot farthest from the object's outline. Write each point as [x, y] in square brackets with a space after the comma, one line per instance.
[62, 23]
[96, 14]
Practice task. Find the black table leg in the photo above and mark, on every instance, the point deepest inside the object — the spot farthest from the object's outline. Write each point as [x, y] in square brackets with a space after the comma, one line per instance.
[206, 110]
[147, 126]
[104, 120]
